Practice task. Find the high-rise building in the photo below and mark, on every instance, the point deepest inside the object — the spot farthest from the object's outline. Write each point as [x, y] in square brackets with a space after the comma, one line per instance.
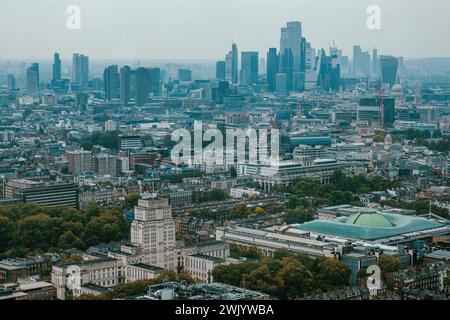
[106, 164]
[220, 70]
[357, 60]
[111, 82]
[262, 66]
[153, 230]
[281, 84]
[56, 70]
[365, 63]
[142, 86]
[375, 62]
[229, 67]
[80, 70]
[11, 82]
[155, 81]
[79, 161]
[389, 68]
[291, 38]
[287, 67]
[272, 69]
[33, 78]
[235, 63]
[184, 75]
[125, 85]
[249, 67]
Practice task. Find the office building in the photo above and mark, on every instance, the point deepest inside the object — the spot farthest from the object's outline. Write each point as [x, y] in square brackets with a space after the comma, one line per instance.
[142, 86]
[153, 230]
[56, 79]
[291, 40]
[287, 67]
[33, 78]
[220, 70]
[80, 70]
[154, 75]
[281, 84]
[106, 165]
[272, 69]
[184, 75]
[79, 161]
[389, 69]
[125, 85]
[130, 143]
[43, 194]
[111, 82]
[249, 68]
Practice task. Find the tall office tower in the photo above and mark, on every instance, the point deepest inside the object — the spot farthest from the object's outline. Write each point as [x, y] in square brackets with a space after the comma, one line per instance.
[291, 38]
[357, 60]
[303, 46]
[249, 67]
[142, 86]
[389, 69]
[106, 164]
[365, 63]
[262, 66]
[79, 161]
[235, 64]
[80, 70]
[111, 82]
[287, 67]
[133, 87]
[56, 70]
[310, 57]
[125, 85]
[272, 69]
[155, 81]
[11, 82]
[153, 230]
[229, 67]
[375, 62]
[184, 75]
[220, 70]
[335, 71]
[281, 84]
[33, 78]
[345, 64]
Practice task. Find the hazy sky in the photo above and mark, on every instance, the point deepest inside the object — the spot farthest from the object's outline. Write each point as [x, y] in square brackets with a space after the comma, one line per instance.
[204, 29]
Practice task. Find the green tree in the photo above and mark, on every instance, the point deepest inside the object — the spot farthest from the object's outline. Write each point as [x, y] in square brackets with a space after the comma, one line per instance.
[7, 229]
[294, 278]
[331, 273]
[69, 240]
[298, 215]
[389, 264]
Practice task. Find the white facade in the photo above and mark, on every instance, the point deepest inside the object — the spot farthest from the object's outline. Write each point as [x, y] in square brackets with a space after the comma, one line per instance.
[153, 230]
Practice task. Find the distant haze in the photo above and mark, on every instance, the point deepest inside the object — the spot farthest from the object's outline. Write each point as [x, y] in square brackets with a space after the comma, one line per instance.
[204, 29]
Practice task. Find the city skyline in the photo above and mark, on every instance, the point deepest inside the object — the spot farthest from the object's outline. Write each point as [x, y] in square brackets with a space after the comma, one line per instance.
[322, 21]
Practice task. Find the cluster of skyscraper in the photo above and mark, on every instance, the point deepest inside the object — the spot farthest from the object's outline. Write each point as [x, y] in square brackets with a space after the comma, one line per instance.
[128, 84]
[296, 66]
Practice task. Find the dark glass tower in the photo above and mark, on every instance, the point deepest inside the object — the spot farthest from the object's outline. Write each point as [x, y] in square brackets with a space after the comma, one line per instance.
[272, 69]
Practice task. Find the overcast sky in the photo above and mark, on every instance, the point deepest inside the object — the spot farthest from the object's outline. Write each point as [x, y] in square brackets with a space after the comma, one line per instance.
[204, 29]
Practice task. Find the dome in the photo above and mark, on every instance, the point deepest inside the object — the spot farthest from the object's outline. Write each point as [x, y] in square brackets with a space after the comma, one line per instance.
[374, 220]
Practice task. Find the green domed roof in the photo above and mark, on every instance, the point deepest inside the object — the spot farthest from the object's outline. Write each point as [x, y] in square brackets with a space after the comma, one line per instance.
[365, 219]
